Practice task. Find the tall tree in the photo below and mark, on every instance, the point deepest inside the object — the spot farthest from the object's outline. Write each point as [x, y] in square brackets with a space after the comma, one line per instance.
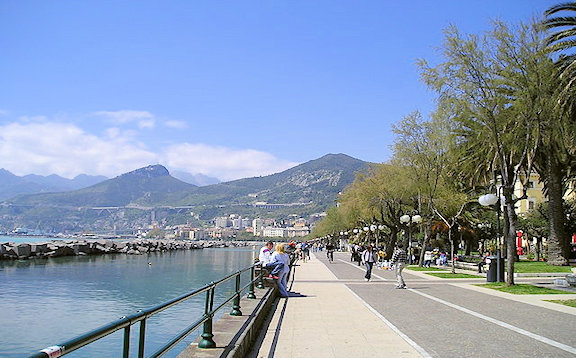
[561, 19]
[557, 158]
[423, 147]
[476, 85]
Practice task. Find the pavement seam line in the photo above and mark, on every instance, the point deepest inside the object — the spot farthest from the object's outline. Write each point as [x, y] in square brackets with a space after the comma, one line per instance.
[535, 336]
[408, 340]
[360, 268]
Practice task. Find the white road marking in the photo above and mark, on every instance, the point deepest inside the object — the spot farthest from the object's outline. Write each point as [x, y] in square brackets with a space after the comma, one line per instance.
[500, 323]
[415, 345]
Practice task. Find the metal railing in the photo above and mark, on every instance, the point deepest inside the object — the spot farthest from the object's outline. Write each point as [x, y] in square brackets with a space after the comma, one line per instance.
[127, 322]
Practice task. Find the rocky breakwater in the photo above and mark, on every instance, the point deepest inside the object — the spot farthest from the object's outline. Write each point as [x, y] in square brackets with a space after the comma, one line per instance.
[56, 248]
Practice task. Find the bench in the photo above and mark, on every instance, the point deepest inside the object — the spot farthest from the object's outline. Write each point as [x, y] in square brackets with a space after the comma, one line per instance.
[466, 265]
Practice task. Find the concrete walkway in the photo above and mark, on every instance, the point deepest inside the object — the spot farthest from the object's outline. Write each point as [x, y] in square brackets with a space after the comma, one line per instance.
[324, 318]
[334, 313]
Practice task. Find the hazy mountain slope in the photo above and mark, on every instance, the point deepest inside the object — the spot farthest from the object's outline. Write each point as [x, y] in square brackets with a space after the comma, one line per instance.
[147, 185]
[318, 180]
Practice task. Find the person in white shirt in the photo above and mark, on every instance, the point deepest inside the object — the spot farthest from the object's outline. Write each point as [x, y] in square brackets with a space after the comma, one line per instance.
[268, 261]
[369, 258]
[265, 256]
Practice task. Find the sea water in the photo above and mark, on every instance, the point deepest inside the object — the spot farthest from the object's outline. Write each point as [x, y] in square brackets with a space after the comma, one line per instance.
[44, 302]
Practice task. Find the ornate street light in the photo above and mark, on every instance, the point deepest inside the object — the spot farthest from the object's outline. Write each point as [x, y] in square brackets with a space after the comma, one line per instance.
[408, 220]
[495, 200]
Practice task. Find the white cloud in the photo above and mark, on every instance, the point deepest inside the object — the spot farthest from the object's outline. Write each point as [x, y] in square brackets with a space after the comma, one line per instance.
[66, 150]
[49, 147]
[148, 123]
[28, 119]
[176, 124]
[221, 162]
[144, 119]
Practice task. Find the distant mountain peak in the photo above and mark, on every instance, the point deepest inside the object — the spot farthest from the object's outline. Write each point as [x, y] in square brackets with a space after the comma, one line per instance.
[151, 171]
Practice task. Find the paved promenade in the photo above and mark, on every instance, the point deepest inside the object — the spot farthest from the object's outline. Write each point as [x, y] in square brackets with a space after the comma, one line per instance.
[335, 313]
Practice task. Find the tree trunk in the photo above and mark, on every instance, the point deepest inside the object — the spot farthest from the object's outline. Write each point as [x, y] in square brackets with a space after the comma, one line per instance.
[538, 248]
[427, 232]
[392, 243]
[557, 243]
[468, 243]
[451, 249]
[510, 235]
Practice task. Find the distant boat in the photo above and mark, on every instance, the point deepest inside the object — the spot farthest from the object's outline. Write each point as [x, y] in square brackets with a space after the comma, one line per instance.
[20, 231]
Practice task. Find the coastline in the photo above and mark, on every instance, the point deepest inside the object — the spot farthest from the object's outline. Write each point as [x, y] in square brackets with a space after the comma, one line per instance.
[88, 246]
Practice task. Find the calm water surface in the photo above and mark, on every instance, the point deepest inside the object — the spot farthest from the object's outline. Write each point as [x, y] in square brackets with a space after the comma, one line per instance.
[48, 301]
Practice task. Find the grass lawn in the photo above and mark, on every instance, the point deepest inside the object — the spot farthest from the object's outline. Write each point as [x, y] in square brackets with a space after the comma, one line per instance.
[417, 268]
[537, 267]
[521, 289]
[452, 275]
[571, 303]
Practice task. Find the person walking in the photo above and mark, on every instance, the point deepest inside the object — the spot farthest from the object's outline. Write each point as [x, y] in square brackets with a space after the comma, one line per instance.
[330, 251]
[369, 258]
[280, 255]
[399, 259]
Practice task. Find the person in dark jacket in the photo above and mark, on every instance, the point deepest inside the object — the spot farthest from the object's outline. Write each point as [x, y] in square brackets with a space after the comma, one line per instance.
[369, 258]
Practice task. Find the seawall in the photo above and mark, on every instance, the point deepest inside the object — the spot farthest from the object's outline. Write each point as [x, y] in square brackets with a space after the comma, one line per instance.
[57, 248]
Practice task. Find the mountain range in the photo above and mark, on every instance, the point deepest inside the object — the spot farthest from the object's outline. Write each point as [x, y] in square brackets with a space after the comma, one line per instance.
[12, 185]
[307, 188]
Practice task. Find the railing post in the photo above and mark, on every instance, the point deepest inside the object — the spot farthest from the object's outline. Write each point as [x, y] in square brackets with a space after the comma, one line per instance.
[126, 352]
[260, 281]
[207, 341]
[236, 306]
[142, 338]
[251, 288]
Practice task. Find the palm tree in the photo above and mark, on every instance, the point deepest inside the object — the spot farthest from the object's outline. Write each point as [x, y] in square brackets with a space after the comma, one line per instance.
[556, 158]
[561, 42]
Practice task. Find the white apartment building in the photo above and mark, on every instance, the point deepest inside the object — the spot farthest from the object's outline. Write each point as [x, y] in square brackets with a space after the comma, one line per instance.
[222, 222]
[299, 231]
[257, 225]
[270, 231]
[237, 223]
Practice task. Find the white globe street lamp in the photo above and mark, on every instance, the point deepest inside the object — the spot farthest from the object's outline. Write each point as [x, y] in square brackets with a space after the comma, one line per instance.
[495, 200]
[408, 220]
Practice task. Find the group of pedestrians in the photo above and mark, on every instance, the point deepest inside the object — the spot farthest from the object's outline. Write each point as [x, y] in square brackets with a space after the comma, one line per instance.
[436, 256]
[399, 260]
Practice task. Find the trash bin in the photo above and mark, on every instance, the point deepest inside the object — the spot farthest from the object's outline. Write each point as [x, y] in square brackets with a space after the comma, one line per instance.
[492, 273]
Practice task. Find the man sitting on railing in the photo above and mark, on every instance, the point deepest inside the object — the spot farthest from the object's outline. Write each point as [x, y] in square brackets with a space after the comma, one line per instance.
[268, 263]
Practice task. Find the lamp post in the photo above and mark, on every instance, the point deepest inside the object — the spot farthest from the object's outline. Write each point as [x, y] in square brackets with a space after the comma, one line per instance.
[409, 219]
[490, 200]
[483, 228]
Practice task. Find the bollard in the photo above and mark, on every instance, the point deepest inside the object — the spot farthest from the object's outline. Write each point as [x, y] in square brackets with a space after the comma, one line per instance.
[236, 306]
[207, 341]
[251, 294]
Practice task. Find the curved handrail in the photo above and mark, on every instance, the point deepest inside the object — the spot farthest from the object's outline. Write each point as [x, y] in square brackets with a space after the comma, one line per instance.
[126, 322]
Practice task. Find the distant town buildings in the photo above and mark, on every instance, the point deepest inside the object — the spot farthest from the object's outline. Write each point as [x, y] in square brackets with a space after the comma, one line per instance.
[235, 226]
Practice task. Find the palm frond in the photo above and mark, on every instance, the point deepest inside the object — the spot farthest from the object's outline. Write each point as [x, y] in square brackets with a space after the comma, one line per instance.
[569, 6]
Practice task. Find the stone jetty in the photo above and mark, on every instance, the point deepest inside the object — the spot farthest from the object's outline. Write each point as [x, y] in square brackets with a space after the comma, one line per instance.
[56, 248]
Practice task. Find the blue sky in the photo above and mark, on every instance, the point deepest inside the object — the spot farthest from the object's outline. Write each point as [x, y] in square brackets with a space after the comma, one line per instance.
[228, 89]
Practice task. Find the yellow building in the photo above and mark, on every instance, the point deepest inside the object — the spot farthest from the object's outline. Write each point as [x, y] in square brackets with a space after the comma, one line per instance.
[535, 193]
